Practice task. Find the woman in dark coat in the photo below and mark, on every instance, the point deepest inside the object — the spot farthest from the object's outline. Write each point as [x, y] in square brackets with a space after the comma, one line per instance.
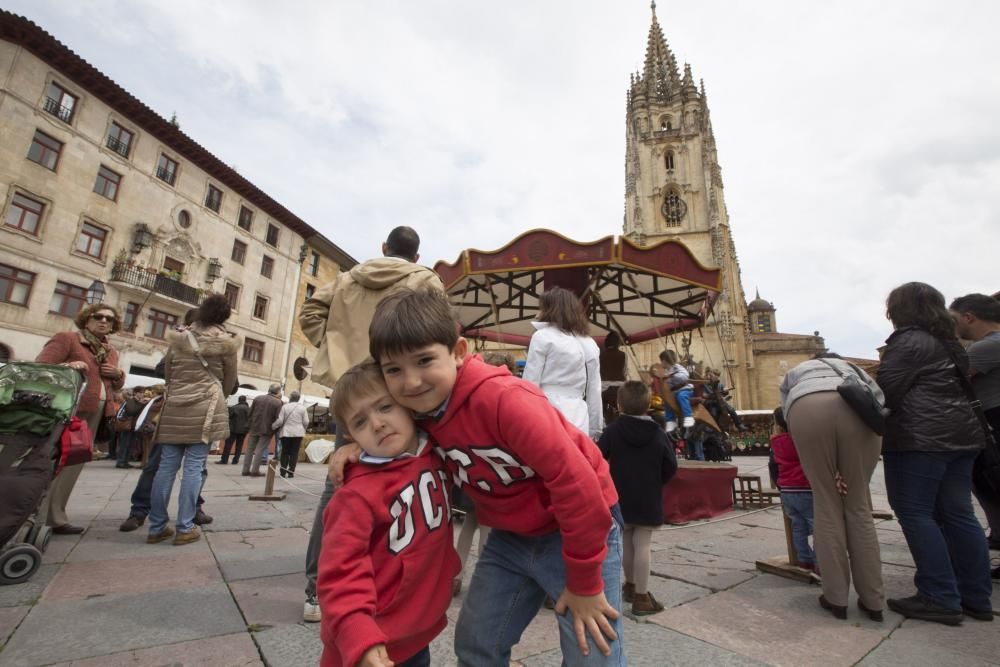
[932, 439]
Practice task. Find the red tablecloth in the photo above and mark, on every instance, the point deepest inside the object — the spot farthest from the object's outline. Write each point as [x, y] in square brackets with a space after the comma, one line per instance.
[699, 490]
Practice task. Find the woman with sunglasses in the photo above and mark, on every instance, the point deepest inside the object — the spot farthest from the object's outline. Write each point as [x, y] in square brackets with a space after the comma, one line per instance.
[88, 350]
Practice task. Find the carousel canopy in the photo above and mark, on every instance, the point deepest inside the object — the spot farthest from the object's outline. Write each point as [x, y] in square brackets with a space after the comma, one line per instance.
[642, 292]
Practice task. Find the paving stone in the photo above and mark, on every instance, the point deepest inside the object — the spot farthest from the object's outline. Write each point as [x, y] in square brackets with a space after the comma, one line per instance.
[672, 593]
[974, 639]
[253, 554]
[896, 653]
[252, 516]
[270, 600]
[715, 573]
[31, 590]
[540, 636]
[59, 550]
[648, 645]
[443, 648]
[89, 627]
[290, 645]
[10, 617]
[236, 650]
[749, 544]
[754, 619]
[896, 554]
[169, 569]
[105, 542]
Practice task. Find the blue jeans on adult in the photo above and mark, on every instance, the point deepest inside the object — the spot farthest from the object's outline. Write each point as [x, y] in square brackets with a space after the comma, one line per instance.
[931, 493]
[511, 580]
[695, 446]
[798, 507]
[193, 458]
[141, 502]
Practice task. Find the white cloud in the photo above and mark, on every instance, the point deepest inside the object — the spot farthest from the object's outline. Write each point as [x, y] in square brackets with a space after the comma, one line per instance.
[857, 140]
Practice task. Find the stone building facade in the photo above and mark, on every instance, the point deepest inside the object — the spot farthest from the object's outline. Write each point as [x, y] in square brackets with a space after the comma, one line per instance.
[674, 190]
[100, 191]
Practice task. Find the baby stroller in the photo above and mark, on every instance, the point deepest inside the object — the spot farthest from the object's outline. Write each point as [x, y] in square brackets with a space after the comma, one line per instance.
[37, 403]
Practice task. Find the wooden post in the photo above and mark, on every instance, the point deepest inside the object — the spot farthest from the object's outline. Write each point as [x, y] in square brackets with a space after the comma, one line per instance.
[269, 493]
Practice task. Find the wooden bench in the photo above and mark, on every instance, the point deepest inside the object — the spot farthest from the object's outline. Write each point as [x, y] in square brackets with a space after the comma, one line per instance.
[747, 492]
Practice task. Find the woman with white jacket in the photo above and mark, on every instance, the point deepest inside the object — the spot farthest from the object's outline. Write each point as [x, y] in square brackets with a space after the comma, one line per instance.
[564, 361]
[291, 426]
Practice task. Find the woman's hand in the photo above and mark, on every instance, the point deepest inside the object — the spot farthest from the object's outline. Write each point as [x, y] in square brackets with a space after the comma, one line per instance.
[110, 371]
[77, 365]
[840, 483]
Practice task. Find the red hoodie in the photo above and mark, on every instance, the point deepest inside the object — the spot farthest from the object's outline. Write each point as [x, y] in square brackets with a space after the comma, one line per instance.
[528, 470]
[791, 479]
[387, 561]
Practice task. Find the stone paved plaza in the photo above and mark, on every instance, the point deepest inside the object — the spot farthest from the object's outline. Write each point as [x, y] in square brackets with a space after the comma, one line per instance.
[106, 598]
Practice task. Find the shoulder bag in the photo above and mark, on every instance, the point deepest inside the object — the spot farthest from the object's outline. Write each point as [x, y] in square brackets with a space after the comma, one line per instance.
[857, 394]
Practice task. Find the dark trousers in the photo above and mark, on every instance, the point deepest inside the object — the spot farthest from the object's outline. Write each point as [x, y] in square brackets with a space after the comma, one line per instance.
[233, 439]
[141, 497]
[125, 440]
[289, 454]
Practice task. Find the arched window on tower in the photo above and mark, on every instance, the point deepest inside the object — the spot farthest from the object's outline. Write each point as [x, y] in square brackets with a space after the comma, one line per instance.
[668, 160]
[666, 123]
[673, 209]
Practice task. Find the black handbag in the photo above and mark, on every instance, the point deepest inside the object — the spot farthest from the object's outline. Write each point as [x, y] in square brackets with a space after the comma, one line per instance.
[857, 394]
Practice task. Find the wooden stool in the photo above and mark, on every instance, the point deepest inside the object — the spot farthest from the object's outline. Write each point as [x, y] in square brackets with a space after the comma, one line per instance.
[747, 491]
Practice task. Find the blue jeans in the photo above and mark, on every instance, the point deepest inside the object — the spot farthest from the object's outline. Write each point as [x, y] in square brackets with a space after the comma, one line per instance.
[421, 658]
[171, 458]
[695, 447]
[141, 502]
[125, 440]
[931, 493]
[511, 580]
[683, 397]
[798, 507]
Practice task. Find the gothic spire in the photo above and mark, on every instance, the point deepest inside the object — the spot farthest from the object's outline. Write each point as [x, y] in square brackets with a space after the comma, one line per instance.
[660, 69]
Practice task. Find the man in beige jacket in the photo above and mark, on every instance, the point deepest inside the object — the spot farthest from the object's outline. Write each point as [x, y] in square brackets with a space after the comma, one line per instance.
[336, 319]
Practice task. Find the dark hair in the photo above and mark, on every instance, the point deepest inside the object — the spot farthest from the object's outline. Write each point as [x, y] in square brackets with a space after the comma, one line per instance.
[633, 397]
[920, 305]
[560, 307]
[190, 317]
[83, 316]
[357, 383]
[612, 340]
[213, 310]
[241, 399]
[403, 242]
[409, 320]
[984, 307]
[668, 357]
[779, 418]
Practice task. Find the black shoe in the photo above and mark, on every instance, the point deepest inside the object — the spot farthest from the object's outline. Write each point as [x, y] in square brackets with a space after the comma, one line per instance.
[291, 474]
[919, 608]
[124, 465]
[874, 614]
[979, 615]
[994, 544]
[221, 463]
[67, 529]
[201, 519]
[836, 610]
[995, 573]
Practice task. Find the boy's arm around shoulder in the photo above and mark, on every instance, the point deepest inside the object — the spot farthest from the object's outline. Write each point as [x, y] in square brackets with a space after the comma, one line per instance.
[567, 461]
[346, 579]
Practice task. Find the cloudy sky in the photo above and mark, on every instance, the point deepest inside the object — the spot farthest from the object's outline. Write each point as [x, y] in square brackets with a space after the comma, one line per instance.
[859, 141]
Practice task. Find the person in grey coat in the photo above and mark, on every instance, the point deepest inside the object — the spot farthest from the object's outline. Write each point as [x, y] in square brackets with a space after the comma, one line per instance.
[263, 412]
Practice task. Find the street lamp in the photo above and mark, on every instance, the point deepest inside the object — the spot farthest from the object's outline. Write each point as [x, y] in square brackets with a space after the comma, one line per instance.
[96, 292]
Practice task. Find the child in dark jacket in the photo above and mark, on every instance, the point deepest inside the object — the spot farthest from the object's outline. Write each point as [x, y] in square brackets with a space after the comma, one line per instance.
[641, 461]
[796, 494]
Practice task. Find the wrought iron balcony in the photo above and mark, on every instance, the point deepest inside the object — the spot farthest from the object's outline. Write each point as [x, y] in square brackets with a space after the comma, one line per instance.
[59, 111]
[166, 175]
[139, 276]
[117, 146]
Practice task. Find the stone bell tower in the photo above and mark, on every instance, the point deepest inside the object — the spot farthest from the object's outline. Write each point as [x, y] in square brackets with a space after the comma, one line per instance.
[673, 190]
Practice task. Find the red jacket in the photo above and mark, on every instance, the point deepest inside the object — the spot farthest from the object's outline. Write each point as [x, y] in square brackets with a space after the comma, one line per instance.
[528, 470]
[790, 475]
[387, 561]
[68, 346]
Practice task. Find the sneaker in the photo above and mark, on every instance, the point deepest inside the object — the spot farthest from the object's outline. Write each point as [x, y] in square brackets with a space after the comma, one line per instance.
[645, 604]
[311, 612]
[919, 608]
[688, 422]
[671, 426]
[628, 592]
[156, 538]
[187, 538]
[201, 519]
[132, 523]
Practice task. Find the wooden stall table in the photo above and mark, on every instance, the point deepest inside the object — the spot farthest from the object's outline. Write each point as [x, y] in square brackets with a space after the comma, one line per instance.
[699, 490]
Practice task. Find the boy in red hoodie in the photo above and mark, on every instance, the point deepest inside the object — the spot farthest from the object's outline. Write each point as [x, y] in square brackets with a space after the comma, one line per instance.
[539, 482]
[387, 562]
[796, 494]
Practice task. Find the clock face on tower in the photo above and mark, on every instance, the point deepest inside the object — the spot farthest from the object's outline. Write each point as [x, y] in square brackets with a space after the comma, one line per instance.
[673, 209]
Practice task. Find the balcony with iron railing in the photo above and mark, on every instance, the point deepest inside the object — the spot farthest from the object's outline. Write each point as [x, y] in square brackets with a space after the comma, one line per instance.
[58, 110]
[141, 277]
[118, 146]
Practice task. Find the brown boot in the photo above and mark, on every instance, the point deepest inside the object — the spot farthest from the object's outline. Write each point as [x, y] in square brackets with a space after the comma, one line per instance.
[156, 538]
[628, 592]
[645, 604]
[187, 538]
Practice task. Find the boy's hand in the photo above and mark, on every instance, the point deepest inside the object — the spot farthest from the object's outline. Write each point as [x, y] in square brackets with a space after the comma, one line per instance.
[590, 614]
[350, 453]
[376, 656]
[841, 484]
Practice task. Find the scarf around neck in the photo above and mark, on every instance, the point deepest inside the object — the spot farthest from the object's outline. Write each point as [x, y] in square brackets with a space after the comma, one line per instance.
[96, 345]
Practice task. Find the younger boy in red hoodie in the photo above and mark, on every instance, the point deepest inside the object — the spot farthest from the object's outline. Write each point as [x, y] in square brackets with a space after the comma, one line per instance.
[387, 561]
[796, 494]
[538, 481]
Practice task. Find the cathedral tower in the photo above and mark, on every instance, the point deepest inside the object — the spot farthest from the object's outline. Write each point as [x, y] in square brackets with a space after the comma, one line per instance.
[673, 190]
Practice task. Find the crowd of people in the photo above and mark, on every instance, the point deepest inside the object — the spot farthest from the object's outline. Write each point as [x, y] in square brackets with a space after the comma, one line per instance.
[426, 429]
